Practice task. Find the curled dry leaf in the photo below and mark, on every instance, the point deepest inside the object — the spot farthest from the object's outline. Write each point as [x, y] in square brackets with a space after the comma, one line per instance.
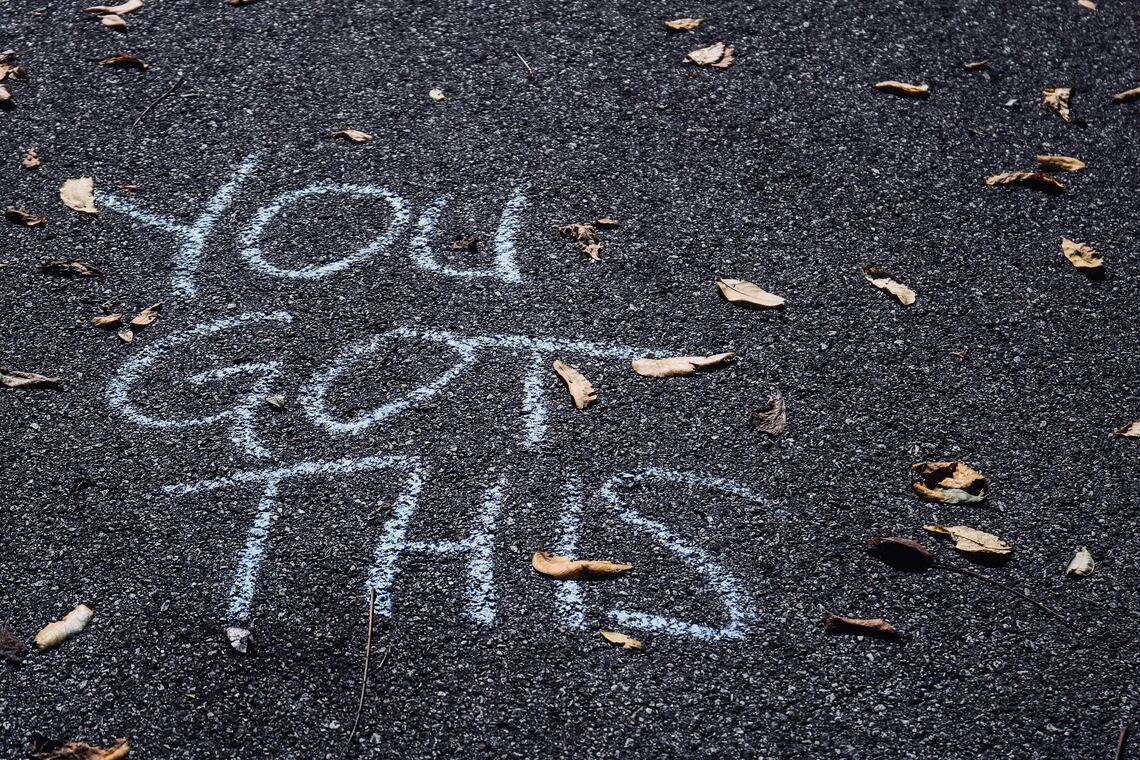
[717, 55]
[354, 135]
[1126, 96]
[23, 217]
[975, 65]
[606, 223]
[677, 366]
[586, 237]
[127, 335]
[1037, 180]
[683, 24]
[1061, 163]
[747, 293]
[580, 388]
[78, 193]
[111, 21]
[772, 418]
[1087, 4]
[949, 482]
[54, 634]
[1131, 430]
[123, 61]
[70, 269]
[859, 626]
[1057, 98]
[436, 94]
[627, 642]
[14, 378]
[146, 317]
[566, 569]
[1081, 564]
[31, 160]
[901, 553]
[1081, 255]
[12, 650]
[106, 320]
[904, 88]
[969, 540]
[118, 10]
[887, 282]
[240, 639]
[42, 748]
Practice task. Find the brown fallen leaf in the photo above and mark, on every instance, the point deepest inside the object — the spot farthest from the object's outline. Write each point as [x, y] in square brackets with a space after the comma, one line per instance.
[126, 334]
[70, 269]
[888, 283]
[901, 553]
[903, 88]
[1087, 4]
[949, 482]
[627, 642]
[606, 223]
[586, 237]
[130, 6]
[859, 626]
[23, 217]
[111, 21]
[566, 569]
[1036, 180]
[745, 293]
[1057, 98]
[1126, 96]
[678, 366]
[78, 193]
[580, 388]
[12, 650]
[975, 65]
[464, 245]
[971, 541]
[683, 24]
[31, 160]
[717, 55]
[123, 61]
[1131, 430]
[5, 96]
[1061, 163]
[1081, 255]
[55, 633]
[147, 316]
[354, 135]
[42, 748]
[106, 320]
[14, 378]
[771, 418]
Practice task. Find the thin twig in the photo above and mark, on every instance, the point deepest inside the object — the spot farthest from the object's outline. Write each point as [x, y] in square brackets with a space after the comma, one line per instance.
[367, 654]
[159, 99]
[528, 68]
[999, 584]
[1122, 742]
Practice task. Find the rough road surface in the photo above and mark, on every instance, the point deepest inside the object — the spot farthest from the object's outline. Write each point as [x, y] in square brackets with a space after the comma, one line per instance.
[426, 448]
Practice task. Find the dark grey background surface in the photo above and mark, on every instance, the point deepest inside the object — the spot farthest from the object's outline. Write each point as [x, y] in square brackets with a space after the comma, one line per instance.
[787, 169]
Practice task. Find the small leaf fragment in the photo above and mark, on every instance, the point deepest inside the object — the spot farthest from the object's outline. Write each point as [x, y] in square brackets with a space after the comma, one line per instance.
[276, 400]
[566, 569]
[717, 55]
[5, 97]
[79, 194]
[580, 388]
[745, 293]
[436, 94]
[772, 418]
[1061, 163]
[949, 482]
[31, 160]
[971, 541]
[1126, 96]
[586, 237]
[1057, 98]
[1087, 4]
[1081, 255]
[106, 320]
[901, 553]
[240, 639]
[683, 24]
[127, 335]
[678, 366]
[123, 61]
[1081, 564]
[240, 2]
[70, 269]
[118, 10]
[146, 317]
[606, 222]
[14, 378]
[975, 65]
[111, 21]
[1037, 180]
[1131, 430]
[42, 748]
[627, 642]
[889, 283]
[12, 650]
[903, 88]
[877, 627]
[55, 633]
[23, 217]
[355, 135]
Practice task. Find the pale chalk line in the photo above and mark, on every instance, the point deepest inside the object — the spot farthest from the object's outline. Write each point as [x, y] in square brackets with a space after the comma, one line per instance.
[569, 599]
[505, 266]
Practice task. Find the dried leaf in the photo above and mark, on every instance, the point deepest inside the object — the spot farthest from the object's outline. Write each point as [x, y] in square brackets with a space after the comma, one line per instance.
[42, 748]
[1061, 163]
[901, 553]
[126, 335]
[677, 366]
[112, 21]
[128, 7]
[885, 281]
[23, 217]
[54, 634]
[240, 639]
[1081, 255]
[276, 400]
[1081, 564]
[123, 61]
[354, 135]
[949, 482]
[106, 320]
[12, 650]
[969, 540]
[975, 65]
[240, 2]
[464, 245]
[580, 388]
[436, 94]
[566, 569]
[586, 237]
[947, 495]
[5, 96]
[1036, 180]
[904, 88]
[79, 194]
[1126, 96]
[606, 223]
[31, 160]
[70, 269]
[1057, 98]
[683, 24]
[772, 418]
[859, 626]
[747, 293]
[626, 642]
[1087, 4]
[14, 378]
[1131, 430]
[717, 55]
[146, 317]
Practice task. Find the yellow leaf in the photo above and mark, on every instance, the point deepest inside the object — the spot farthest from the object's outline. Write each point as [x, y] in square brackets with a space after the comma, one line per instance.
[747, 293]
[1127, 95]
[1061, 163]
[580, 388]
[620, 638]
[1057, 98]
[1081, 255]
[106, 320]
[683, 24]
[355, 135]
[677, 366]
[969, 540]
[1036, 180]
[79, 194]
[887, 282]
[717, 55]
[903, 88]
[147, 316]
[566, 569]
[54, 634]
